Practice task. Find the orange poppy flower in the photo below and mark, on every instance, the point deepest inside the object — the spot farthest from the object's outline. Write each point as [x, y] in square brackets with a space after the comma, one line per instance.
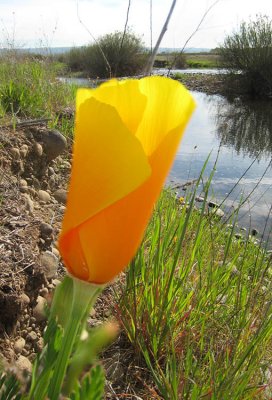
[126, 137]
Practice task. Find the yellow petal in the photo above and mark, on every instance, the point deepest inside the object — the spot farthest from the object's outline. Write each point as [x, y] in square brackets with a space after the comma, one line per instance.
[106, 242]
[98, 247]
[168, 102]
[124, 96]
[108, 163]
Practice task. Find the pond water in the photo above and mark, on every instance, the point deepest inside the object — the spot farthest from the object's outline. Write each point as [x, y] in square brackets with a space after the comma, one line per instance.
[240, 134]
[206, 71]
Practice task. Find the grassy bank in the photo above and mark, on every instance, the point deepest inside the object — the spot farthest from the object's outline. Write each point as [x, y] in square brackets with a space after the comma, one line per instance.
[190, 60]
[29, 88]
[196, 306]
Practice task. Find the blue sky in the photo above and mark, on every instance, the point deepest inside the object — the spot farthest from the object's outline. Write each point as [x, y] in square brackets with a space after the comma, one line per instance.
[35, 23]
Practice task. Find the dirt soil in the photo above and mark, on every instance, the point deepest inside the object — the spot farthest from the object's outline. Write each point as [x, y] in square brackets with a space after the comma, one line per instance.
[33, 184]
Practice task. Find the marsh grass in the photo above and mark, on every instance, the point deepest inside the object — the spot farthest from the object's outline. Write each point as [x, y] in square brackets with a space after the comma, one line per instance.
[197, 305]
[29, 88]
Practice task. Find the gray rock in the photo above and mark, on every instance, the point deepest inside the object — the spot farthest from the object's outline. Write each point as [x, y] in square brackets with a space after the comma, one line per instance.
[60, 195]
[39, 309]
[54, 144]
[24, 364]
[254, 232]
[49, 263]
[219, 213]
[44, 196]
[212, 204]
[46, 230]
[200, 199]
[19, 345]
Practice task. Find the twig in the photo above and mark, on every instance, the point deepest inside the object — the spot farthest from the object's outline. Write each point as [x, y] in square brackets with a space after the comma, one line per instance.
[27, 123]
[123, 38]
[151, 26]
[150, 62]
[94, 39]
[27, 266]
[193, 33]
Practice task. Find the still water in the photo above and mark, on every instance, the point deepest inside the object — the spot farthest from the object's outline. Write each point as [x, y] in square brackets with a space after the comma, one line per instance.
[242, 134]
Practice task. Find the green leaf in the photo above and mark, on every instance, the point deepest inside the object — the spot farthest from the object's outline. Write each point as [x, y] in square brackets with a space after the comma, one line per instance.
[91, 387]
[9, 387]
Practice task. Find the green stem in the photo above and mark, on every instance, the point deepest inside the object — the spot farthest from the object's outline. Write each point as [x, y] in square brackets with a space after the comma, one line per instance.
[84, 297]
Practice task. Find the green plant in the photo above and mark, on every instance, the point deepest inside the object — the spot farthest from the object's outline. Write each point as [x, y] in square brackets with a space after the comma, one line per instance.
[250, 50]
[30, 88]
[114, 54]
[197, 306]
[179, 61]
[67, 365]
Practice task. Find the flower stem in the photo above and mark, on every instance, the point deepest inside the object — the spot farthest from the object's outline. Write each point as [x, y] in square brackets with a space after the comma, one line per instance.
[84, 297]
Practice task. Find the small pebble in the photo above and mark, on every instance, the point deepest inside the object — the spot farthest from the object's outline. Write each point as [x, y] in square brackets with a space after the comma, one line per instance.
[28, 203]
[39, 344]
[44, 292]
[22, 182]
[39, 309]
[19, 345]
[15, 152]
[51, 171]
[60, 195]
[24, 150]
[219, 213]
[212, 204]
[56, 252]
[24, 299]
[49, 264]
[44, 196]
[24, 364]
[46, 230]
[32, 336]
[32, 357]
[38, 149]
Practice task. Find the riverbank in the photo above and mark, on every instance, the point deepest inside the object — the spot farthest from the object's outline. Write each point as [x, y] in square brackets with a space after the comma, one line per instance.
[193, 304]
[228, 85]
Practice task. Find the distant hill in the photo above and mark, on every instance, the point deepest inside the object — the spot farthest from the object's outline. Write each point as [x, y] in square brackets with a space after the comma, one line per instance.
[61, 50]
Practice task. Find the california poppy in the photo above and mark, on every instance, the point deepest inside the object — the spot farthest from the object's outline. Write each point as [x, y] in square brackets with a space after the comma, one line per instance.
[126, 136]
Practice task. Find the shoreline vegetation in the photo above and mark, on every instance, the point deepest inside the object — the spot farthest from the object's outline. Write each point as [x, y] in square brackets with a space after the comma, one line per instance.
[195, 304]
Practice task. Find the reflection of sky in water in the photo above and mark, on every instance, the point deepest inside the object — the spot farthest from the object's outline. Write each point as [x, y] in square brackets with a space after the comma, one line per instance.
[202, 132]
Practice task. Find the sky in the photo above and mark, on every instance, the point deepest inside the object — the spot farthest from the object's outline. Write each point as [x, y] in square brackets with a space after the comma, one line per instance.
[61, 23]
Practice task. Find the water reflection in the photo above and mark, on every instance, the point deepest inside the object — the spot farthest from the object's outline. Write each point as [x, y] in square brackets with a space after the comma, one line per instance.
[247, 127]
[241, 132]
